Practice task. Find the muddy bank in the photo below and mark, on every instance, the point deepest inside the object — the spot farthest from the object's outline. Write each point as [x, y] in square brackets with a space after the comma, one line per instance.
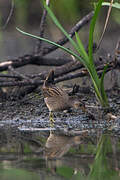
[31, 112]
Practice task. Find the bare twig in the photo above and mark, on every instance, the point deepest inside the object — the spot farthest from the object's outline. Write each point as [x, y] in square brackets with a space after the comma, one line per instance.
[20, 75]
[82, 73]
[117, 51]
[39, 47]
[10, 14]
[76, 28]
[9, 76]
[21, 83]
[38, 60]
[37, 81]
[31, 59]
[105, 26]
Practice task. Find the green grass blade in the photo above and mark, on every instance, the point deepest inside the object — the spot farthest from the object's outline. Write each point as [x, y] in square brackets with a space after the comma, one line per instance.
[103, 94]
[93, 72]
[83, 57]
[96, 86]
[92, 28]
[51, 14]
[81, 48]
[53, 43]
[100, 169]
[103, 74]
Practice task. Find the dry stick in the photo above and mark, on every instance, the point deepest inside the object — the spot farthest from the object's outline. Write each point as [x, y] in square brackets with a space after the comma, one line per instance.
[60, 70]
[31, 59]
[105, 26]
[27, 90]
[76, 28]
[64, 69]
[39, 47]
[20, 83]
[69, 67]
[117, 51]
[73, 65]
[83, 72]
[9, 16]
[38, 60]
[37, 81]
[51, 61]
[9, 76]
[20, 75]
[18, 62]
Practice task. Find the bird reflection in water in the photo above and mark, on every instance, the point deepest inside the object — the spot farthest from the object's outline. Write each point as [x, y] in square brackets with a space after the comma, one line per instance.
[58, 145]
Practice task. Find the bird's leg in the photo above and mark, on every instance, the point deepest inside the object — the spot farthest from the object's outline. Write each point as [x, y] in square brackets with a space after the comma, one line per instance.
[51, 118]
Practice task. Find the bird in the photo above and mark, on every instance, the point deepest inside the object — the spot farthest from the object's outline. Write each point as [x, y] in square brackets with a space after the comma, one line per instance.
[57, 99]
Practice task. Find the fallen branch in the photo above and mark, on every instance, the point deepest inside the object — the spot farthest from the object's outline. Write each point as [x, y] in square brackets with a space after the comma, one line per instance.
[76, 28]
[40, 60]
[37, 81]
[33, 60]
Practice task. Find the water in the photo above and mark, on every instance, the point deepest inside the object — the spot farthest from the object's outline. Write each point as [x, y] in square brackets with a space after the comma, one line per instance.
[35, 167]
[42, 153]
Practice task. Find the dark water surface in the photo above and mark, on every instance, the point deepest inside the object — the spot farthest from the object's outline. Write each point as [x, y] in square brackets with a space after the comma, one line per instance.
[36, 152]
[14, 167]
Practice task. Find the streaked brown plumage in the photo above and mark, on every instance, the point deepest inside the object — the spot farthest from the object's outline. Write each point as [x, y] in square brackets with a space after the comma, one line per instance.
[56, 98]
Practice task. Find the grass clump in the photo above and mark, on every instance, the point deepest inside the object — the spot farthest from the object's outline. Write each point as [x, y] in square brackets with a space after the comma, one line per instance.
[85, 58]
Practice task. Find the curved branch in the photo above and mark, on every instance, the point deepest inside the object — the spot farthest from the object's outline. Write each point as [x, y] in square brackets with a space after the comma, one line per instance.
[76, 28]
